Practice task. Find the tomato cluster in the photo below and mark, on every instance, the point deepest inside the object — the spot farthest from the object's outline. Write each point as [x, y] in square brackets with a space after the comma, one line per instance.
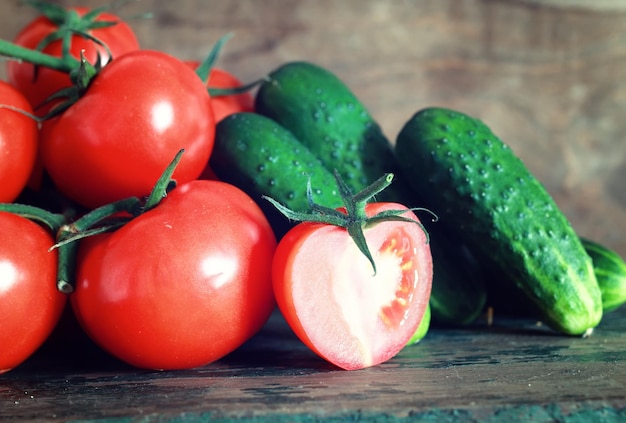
[190, 278]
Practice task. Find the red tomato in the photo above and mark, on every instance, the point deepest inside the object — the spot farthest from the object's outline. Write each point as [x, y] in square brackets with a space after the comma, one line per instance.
[18, 143]
[227, 104]
[183, 284]
[327, 291]
[119, 38]
[30, 304]
[117, 139]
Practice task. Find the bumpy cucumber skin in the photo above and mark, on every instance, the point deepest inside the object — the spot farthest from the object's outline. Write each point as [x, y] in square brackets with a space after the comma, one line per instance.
[608, 266]
[326, 116]
[610, 270]
[483, 191]
[261, 157]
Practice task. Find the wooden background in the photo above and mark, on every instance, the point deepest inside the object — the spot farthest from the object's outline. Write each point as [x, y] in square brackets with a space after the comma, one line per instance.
[549, 77]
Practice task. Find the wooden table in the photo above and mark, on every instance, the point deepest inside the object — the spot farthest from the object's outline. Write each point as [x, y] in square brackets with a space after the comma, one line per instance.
[513, 370]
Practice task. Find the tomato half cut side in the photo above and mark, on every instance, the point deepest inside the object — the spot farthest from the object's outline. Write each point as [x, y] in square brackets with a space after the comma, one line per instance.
[327, 290]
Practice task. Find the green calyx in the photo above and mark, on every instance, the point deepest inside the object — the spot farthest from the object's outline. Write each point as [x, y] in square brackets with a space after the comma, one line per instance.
[354, 219]
[70, 23]
[81, 77]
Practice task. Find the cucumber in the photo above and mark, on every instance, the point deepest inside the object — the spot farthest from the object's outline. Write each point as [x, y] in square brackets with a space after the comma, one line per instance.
[485, 193]
[459, 294]
[610, 270]
[608, 266]
[261, 157]
[326, 116]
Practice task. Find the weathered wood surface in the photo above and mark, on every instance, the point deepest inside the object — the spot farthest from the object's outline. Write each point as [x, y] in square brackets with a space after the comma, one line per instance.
[510, 371]
[546, 75]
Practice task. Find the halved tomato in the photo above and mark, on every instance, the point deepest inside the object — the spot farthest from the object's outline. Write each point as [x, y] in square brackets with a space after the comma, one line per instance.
[329, 293]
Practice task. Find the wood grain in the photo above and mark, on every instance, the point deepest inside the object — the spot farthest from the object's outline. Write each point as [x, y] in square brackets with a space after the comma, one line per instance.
[513, 370]
[546, 75]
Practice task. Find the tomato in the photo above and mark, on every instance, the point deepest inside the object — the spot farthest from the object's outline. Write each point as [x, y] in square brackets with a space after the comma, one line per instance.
[119, 39]
[118, 138]
[183, 284]
[226, 104]
[30, 304]
[18, 143]
[327, 291]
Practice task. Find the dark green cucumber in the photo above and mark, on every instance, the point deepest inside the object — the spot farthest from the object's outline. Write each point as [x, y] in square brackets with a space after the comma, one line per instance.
[261, 157]
[486, 195]
[608, 266]
[459, 294]
[326, 116]
[610, 270]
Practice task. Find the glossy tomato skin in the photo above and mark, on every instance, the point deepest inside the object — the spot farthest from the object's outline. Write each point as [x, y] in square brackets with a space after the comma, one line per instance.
[182, 285]
[228, 104]
[18, 143]
[117, 139]
[30, 304]
[119, 38]
[325, 288]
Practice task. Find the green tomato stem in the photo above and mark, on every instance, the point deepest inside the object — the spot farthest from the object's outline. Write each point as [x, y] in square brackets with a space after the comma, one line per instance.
[68, 24]
[64, 64]
[164, 184]
[89, 223]
[223, 92]
[66, 267]
[116, 214]
[52, 221]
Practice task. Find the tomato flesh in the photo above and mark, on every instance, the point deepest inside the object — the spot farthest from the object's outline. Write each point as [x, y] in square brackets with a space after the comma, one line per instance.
[330, 296]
